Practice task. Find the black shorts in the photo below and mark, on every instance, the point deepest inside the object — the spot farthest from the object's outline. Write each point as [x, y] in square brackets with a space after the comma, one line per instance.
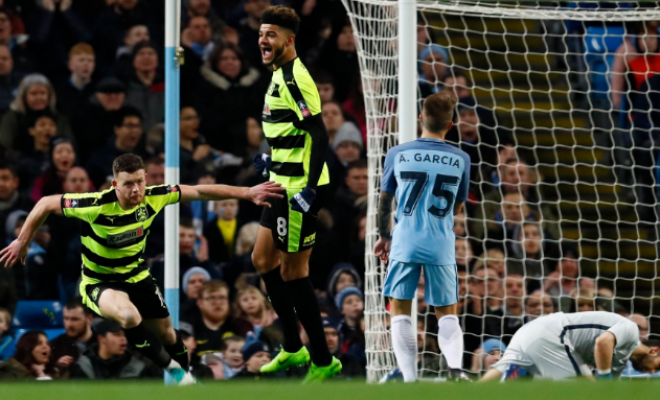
[293, 232]
[145, 295]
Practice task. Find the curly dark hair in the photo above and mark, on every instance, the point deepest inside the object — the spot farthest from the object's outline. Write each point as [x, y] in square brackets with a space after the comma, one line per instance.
[281, 16]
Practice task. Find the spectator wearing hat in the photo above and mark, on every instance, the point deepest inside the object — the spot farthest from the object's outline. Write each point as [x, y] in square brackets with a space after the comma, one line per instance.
[35, 97]
[350, 365]
[74, 93]
[128, 132]
[198, 369]
[350, 303]
[145, 89]
[342, 275]
[192, 281]
[9, 79]
[94, 125]
[488, 353]
[433, 66]
[348, 143]
[255, 354]
[111, 359]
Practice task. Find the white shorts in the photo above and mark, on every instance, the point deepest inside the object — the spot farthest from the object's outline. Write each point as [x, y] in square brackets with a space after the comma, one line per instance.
[538, 348]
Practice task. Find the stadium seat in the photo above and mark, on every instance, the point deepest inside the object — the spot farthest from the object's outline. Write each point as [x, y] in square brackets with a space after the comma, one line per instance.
[38, 314]
[8, 351]
[600, 44]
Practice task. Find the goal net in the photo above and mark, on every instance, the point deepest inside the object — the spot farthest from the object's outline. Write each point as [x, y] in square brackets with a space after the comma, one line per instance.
[561, 131]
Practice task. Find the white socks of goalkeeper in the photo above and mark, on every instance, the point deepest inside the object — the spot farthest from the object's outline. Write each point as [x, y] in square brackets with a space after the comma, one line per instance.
[404, 341]
[450, 339]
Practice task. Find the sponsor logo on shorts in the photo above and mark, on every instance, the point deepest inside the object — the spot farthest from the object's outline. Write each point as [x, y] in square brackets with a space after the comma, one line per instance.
[309, 240]
[95, 294]
[141, 214]
[304, 110]
[125, 236]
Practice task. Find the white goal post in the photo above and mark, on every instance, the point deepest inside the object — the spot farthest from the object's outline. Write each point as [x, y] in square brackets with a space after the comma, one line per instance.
[547, 94]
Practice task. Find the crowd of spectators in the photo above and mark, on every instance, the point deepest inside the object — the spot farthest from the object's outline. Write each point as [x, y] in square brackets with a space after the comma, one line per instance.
[81, 82]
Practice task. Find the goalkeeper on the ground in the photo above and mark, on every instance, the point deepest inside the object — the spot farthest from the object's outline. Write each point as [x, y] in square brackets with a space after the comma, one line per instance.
[560, 346]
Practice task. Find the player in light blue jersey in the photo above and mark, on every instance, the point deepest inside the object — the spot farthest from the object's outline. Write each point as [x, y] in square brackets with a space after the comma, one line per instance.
[430, 181]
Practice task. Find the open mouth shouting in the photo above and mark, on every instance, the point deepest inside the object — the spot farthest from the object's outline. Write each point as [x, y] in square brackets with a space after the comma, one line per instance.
[266, 53]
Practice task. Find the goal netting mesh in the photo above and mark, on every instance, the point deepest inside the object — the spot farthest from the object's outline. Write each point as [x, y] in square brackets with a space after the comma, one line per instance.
[557, 108]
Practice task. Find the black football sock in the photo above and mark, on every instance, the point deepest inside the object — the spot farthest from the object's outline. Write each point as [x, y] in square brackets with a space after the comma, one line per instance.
[178, 351]
[148, 344]
[281, 301]
[307, 310]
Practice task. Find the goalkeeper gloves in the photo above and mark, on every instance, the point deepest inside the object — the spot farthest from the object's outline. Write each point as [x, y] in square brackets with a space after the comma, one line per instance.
[262, 163]
[302, 201]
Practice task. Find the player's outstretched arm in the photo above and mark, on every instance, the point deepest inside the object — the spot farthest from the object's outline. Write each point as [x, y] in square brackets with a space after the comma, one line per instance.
[257, 194]
[18, 249]
[603, 352]
[382, 248]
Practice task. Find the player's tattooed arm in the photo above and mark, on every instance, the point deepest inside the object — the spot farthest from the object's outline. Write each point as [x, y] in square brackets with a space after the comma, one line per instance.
[385, 214]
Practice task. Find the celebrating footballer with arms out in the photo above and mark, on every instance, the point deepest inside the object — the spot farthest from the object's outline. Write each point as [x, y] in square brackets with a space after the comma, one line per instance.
[116, 283]
[298, 139]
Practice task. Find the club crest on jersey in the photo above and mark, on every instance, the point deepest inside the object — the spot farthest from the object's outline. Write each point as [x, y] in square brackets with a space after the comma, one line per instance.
[141, 214]
[266, 111]
[70, 203]
[95, 294]
[274, 90]
[173, 189]
[304, 110]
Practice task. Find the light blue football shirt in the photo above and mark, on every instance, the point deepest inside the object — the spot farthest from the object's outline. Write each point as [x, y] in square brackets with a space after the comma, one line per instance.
[428, 177]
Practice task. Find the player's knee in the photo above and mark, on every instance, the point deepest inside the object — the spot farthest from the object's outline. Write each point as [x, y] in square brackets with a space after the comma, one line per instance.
[128, 317]
[168, 336]
[291, 272]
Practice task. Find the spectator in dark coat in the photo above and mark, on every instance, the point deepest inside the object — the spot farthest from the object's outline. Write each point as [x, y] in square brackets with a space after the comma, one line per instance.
[223, 230]
[10, 198]
[78, 337]
[54, 28]
[94, 125]
[195, 152]
[229, 93]
[9, 79]
[34, 163]
[124, 63]
[111, 28]
[21, 50]
[35, 97]
[350, 365]
[128, 131]
[192, 281]
[248, 32]
[146, 88]
[351, 199]
[256, 354]
[110, 358]
[340, 57]
[202, 8]
[74, 93]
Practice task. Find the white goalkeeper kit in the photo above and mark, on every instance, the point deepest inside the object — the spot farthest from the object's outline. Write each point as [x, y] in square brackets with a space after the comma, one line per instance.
[560, 346]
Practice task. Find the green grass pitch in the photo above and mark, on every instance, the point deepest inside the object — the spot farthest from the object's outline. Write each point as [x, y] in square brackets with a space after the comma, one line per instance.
[293, 390]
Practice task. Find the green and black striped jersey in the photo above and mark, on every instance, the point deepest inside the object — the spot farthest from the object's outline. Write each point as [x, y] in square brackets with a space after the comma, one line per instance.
[114, 239]
[291, 98]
